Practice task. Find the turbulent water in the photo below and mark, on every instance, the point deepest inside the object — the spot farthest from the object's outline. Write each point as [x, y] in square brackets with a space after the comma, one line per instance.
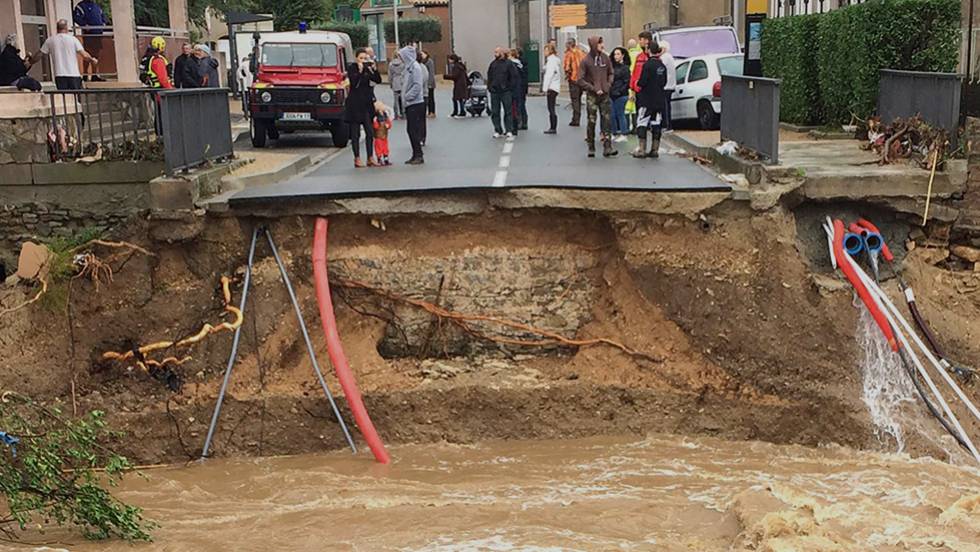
[661, 493]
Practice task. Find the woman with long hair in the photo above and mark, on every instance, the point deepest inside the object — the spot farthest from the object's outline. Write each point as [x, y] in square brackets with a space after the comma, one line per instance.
[359, 108]
[551, 84]
[456, 72]
[619, 93]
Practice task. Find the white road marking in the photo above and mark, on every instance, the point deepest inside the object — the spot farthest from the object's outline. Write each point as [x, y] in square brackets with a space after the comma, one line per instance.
[500, 179]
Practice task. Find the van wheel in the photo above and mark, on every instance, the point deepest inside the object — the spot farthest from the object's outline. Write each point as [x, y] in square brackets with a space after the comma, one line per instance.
[258, 130]
[707, 118]
[340, 133]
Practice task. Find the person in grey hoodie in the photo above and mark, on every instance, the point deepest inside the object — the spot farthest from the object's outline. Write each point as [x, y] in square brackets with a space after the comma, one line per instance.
[396, 76]
[413, 97]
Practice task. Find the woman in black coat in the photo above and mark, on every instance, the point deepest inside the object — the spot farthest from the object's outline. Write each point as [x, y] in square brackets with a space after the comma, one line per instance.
[359, 108]
[456, 72]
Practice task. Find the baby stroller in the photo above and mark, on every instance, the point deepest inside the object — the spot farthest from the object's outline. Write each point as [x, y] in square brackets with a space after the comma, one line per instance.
[476, 105]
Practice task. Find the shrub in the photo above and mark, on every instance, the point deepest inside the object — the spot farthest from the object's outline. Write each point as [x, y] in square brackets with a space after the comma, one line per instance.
[789, 44]
[421, 29]
[840, 54]
[57, 470]
[358, 32]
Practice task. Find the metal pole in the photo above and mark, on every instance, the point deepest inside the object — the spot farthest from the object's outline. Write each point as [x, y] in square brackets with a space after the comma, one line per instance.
[233, 53]
[394, 8]
[969, 45]
[234, 348]
[306, 338]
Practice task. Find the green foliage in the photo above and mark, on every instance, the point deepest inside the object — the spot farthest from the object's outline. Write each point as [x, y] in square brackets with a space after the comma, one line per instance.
[54, 476]
[359, 33]
[61, 266]
[420, 29]
[788, 44]
[840, 53]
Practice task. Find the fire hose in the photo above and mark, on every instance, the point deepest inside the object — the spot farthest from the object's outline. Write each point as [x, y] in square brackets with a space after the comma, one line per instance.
[336, 349]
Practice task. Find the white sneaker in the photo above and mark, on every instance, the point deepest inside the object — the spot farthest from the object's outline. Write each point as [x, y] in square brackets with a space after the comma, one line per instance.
[510, 134]
[497, 135]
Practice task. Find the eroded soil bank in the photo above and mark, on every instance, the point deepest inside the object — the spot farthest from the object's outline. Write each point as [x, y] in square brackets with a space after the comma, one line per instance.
[737, 330]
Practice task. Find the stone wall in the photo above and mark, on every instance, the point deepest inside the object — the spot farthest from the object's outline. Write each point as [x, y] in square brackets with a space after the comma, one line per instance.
[45, 221]
[547, 286]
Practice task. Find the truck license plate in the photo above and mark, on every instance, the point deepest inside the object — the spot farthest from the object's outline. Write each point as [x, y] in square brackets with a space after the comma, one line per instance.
[296, 116]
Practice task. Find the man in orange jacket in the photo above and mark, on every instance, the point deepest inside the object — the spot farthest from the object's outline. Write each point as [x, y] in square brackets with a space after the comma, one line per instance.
[573, 60]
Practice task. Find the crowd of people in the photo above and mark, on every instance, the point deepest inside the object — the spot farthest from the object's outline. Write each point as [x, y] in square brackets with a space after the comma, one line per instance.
[626, 93]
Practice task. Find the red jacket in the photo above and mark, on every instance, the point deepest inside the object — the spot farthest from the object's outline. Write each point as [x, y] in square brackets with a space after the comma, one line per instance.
[159, 67]
[637, 70]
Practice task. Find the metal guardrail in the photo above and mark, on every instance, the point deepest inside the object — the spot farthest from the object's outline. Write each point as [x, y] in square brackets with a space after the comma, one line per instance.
[183, 128]
[751, 114]
[110, 123]
[196, 125]
[933, 96]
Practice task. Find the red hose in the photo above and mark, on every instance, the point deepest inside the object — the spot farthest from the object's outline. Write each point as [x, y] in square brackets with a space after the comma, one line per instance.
[865, 223]
[859, 287]
[335, 349]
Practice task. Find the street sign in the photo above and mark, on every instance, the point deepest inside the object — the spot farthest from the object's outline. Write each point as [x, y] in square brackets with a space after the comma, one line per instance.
[568, 15]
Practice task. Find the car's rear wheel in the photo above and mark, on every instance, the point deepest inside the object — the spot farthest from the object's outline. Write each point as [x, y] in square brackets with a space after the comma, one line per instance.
[258, 130]
[340, 133]
[707, 117]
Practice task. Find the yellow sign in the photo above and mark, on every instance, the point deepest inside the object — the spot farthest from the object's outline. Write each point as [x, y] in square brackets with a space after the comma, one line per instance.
[756, 6]
[569, 15]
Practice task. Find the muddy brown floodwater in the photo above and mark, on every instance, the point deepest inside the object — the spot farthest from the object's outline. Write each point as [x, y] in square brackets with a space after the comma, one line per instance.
[660, 493]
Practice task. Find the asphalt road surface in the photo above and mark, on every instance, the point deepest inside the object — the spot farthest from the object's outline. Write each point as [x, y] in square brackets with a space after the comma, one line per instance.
[461, 154]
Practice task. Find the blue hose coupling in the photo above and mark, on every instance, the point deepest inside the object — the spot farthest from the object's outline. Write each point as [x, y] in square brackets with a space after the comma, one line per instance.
[873, 241]
[853, 243]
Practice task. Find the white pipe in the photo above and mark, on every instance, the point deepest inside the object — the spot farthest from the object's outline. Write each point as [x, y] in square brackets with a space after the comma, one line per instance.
[922, 346]
[878, 295]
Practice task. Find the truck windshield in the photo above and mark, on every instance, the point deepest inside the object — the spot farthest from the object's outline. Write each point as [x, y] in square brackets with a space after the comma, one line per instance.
[299, 55]
[700, 42]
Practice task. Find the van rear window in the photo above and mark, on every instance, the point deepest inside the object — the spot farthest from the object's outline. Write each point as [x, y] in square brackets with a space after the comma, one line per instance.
[299, 55]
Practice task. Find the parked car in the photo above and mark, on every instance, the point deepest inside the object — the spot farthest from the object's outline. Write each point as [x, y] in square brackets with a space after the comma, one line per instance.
[698, 92]
[687, 42]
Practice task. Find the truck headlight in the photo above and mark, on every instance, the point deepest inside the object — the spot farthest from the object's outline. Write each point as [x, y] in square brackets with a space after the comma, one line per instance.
[266, 96]
[326, 97]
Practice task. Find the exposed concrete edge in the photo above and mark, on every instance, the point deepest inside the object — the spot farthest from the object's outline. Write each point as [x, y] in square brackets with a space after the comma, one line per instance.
[231, 185]
[474, 202]
[284, 170]
[755, 171]
[662, 203]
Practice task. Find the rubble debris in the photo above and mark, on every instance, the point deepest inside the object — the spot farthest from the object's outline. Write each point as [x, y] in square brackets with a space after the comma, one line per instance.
[910, 139]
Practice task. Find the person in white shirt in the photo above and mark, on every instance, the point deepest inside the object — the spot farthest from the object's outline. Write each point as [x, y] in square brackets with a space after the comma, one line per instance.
[668, 60]
[551, 84]
[64, 49]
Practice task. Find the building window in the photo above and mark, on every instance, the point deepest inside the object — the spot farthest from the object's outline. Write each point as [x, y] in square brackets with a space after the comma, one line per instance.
[376, 35]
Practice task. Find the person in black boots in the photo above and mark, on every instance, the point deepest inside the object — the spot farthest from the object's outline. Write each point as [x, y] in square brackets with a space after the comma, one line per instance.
[650, 97]
[551, 85]
[359, 107]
